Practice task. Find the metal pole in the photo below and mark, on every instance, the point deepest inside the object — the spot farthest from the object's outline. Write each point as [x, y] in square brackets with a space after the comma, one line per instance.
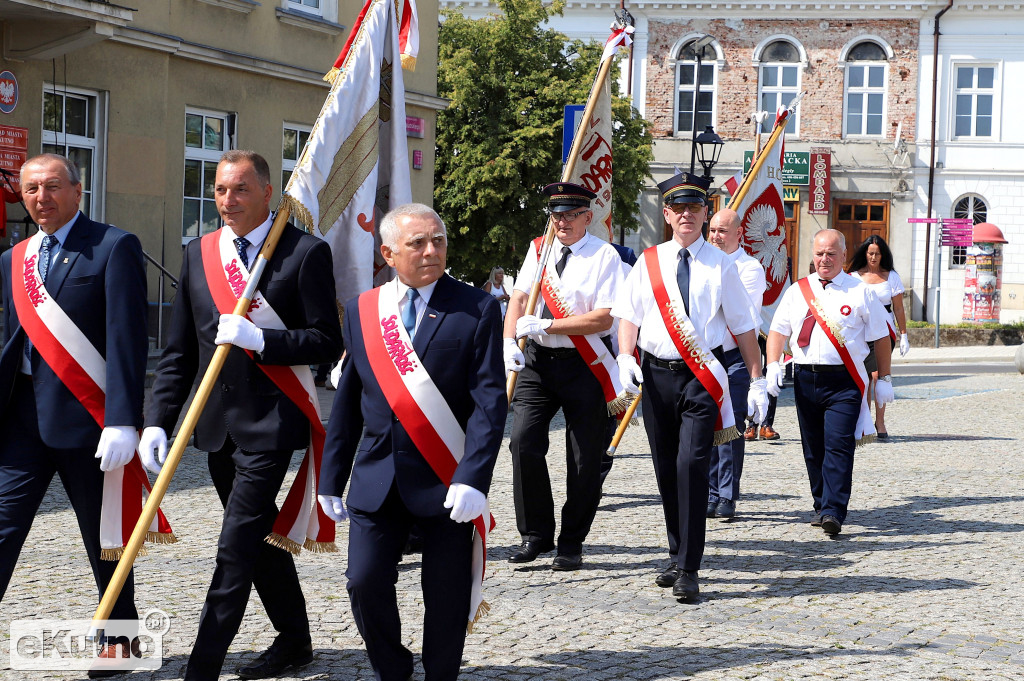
[696, 96]
[938, 277]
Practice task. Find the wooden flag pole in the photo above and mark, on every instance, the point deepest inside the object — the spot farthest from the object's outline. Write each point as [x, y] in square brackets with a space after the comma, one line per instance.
[131, 549]
[567, 172]
[744, 187]
[624, 423]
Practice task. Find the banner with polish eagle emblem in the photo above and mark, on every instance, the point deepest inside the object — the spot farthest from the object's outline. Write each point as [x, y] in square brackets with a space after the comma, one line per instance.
[594, 169]
[757, 198]
[355, 166]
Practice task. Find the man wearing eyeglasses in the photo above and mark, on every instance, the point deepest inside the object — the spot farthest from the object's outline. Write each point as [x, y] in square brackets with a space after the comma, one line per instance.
[572, 320]
[678, 304]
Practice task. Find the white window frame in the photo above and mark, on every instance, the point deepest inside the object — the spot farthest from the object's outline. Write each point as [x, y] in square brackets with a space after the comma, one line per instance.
[314, 7]
[793, 129]
[679, 64]
[326, 9]
[864, 92]
[93, 179]
[958, 254]
[955, 92]
[288, 164]
[204, 156]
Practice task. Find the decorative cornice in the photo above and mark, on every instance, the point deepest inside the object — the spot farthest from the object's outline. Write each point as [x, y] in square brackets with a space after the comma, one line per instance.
[425, 101]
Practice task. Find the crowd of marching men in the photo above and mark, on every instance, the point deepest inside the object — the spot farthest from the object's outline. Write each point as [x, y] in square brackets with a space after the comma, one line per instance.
[430, 371]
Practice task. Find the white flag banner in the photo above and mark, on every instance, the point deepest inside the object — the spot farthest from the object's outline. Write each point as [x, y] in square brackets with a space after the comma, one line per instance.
[355, 166]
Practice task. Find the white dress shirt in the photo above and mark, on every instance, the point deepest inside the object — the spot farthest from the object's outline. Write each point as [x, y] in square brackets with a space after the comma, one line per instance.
[886, 291]
[589, 281]
[718, 301]
[847, 301]
[256, 238]
[421, 301]
[752, 275]
[62, 235]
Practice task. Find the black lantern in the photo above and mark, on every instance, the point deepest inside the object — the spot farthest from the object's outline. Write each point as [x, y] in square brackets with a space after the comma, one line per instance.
[709, 149]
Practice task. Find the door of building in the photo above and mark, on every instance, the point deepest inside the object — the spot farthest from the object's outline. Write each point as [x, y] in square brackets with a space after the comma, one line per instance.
[858, 219]
[792, 212]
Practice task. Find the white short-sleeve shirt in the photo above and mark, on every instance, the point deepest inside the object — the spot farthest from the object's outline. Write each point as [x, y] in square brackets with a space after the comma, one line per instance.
[752, 275]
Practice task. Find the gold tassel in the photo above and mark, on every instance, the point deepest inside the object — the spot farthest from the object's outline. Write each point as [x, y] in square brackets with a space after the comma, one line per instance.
[298, 210]
[320, 546]
[866, 440]
[331, 75]
[726, 435]
[282, 542]
[481, 610]
[115, 554]
[161, 538]
[408, 62]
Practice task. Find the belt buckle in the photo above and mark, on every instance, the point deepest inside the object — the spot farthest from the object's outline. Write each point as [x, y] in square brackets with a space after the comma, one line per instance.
[676, 364]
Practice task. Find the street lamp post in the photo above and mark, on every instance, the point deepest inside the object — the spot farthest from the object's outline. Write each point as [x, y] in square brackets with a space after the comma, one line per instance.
[709, 148]
[697, 46]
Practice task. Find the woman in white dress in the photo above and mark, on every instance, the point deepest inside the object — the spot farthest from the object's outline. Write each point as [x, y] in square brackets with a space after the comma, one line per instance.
[872, 264]
[496, 287]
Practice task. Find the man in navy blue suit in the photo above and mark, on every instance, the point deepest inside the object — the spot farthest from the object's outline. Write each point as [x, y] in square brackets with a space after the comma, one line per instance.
[447, 390]
[94, 273]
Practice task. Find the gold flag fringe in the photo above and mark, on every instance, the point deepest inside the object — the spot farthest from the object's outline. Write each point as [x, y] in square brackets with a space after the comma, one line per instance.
[482, 610]
[866, 440]
[115, 554]
[298, 210]
[408, 62]
[282, 542]
[320, 546]
[331, 75]
[726, 435]
[161, 538]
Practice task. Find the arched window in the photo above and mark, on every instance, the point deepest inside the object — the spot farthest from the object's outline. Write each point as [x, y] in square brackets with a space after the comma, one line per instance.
[975, 208]
[686, 87]
[866, 76]
[779, 79]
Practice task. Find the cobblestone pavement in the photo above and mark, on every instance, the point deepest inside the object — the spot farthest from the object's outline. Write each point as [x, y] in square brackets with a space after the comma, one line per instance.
[925, 581]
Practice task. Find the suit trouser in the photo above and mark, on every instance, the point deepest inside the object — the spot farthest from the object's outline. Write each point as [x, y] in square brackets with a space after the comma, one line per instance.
[375, 544]
[827, 408]
[726, 463]
[680, 415]
[549, 381]
[247, 483]
[26, 469]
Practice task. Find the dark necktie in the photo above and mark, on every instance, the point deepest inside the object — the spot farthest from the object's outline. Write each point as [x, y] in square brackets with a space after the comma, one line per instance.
[683, 278]
[242, 246]
[49, 243]
[804, 339]
[559, 268]
[409, 313]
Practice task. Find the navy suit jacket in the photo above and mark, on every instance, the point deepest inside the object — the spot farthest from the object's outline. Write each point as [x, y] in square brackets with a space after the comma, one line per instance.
[99, 280]
[299, 284]
[458, 341]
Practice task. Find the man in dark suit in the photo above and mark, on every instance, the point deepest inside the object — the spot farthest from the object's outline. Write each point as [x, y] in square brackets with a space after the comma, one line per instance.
[395, 481]
[94, 274]
[250, 426]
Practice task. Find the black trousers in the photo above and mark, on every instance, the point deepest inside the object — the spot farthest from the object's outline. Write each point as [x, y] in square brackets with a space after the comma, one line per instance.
[26, 468]
[680, 415]
[553, 380]
[375, 544]
[247, 483]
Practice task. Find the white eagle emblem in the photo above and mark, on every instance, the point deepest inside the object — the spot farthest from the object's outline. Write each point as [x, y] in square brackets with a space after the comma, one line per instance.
[766, 240]
[6, 92]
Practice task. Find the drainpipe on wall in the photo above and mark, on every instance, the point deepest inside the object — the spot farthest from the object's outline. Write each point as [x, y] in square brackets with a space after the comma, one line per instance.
[931, 162]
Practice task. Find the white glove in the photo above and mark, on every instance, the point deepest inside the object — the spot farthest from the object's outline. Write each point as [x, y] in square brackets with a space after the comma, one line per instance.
[514, 359]
[757, 399]
[335, 377]
[630, 375]
[774, 379]
[883, 393]
[532, 325]
[333, 508]
[153, 448]
[117, 446]
[237, 330]
[904, 345]
[466, 503]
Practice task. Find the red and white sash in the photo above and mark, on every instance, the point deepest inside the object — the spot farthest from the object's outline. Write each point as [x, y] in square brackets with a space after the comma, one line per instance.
[593, 350]
[421, 409]
[865, 432]
[83, 370]
[301, 523]
[705, 366]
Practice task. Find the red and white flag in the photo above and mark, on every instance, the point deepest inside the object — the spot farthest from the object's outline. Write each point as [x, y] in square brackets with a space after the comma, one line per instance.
[593, 169]
[355, 166]
[763, 222]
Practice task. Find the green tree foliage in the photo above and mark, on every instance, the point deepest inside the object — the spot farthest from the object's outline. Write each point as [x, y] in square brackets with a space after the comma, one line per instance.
[500, 141]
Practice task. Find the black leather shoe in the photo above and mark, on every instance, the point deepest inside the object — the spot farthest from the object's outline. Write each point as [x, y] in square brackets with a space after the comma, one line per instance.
[726, 509]
[529, 551]
[668, 577]
[816, 520]
[275, 660]
[712, 507]
[686, 587]
[567, 561]
[830, 525]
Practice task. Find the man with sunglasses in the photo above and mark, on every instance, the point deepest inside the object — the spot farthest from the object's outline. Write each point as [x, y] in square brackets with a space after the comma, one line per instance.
[580, 278]
[678, 304]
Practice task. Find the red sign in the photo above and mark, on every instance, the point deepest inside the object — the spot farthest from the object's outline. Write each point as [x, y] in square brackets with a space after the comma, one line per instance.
[415, 127]
[13, 151]
[820, 197]
[417, 159]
